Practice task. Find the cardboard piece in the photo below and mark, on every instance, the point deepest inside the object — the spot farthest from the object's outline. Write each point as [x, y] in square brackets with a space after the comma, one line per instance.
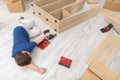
[15, 7]
[43, 44]
[112, 5]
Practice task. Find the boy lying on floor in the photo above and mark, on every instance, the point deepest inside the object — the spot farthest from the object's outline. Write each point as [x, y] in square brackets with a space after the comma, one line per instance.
[22, 48]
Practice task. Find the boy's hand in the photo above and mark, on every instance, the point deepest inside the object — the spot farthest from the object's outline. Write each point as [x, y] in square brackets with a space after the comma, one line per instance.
[42, 70]
[47, 34]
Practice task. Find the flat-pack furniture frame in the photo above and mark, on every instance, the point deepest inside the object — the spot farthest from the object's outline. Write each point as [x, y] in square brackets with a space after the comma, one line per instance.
[61, 14]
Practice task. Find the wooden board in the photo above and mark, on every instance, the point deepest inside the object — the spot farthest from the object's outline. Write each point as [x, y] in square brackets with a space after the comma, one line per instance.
[92, 1]
[13, 1]
[78, 18]
[98, 71]
[112, 18]
[106, 49]
[110, 51]
[57, 14]
[57, 5]
[102, 71]
[42, 15]
[43, 2]
[16, 6]
[88, 75]
[112, 5]
[77, 6]
[118, 77]
[65, 14]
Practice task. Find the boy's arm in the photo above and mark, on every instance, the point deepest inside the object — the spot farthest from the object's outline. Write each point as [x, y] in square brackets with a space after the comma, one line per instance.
[41, 37]
[36, 68]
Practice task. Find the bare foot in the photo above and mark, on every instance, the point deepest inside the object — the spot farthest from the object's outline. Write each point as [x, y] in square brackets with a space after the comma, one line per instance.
[42, 70]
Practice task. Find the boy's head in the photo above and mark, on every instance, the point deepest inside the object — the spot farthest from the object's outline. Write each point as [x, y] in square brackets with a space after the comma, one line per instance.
[23, 59]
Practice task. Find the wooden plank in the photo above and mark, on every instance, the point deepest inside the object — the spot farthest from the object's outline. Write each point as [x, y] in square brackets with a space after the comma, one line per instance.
[41, 13]
[65, 14]
[101, 48]
[57, 14]
[77, 6]
[57, 5]
[115, 26]
[112, 18]
[105, 49]
[112, 5]
[13, 1]
[41, 3]
[88, 75]
[78, 18]
[60, 14]
[51, 19]
[112, 47]
[118, 77]
[16, 6]
[92, 1]
[110, 15]
[113, 51]
[102, 71]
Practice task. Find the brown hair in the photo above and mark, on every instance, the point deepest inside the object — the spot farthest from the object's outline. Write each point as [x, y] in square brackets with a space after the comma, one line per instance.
[23, 59]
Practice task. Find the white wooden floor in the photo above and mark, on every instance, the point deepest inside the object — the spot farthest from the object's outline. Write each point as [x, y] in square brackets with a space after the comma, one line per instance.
[76, 43]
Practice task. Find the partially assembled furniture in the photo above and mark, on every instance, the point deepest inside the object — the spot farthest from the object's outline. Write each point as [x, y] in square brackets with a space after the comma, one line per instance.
[64, 14]
[59, 14]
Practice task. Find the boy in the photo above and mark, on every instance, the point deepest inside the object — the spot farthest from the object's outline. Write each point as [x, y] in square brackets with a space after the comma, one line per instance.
[22, 48]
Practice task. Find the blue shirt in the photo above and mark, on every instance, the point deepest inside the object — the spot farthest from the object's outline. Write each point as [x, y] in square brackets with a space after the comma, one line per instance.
[21, 41]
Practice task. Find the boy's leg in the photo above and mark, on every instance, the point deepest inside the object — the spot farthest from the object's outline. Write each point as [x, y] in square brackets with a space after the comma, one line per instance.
[34, 32]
